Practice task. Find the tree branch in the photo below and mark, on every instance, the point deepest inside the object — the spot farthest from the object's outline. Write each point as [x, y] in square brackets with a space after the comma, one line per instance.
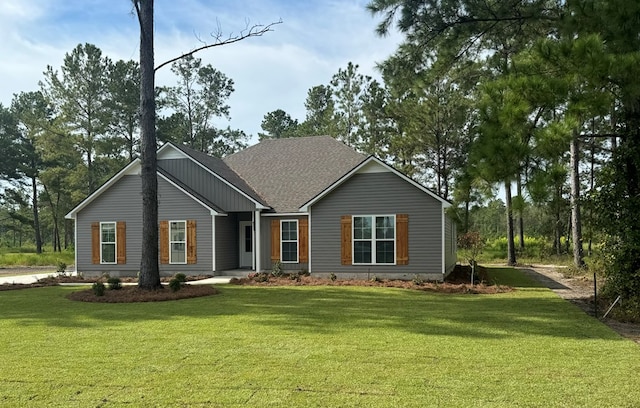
[256, 30]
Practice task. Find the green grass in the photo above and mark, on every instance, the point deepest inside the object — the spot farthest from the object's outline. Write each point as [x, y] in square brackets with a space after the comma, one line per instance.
[314, 347]
[32, 259]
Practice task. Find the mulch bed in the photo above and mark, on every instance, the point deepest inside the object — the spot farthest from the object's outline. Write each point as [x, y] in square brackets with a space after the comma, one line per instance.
[132, 294]
[459, 281]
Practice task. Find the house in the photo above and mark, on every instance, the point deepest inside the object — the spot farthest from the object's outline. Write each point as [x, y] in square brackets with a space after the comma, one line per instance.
[310, 203]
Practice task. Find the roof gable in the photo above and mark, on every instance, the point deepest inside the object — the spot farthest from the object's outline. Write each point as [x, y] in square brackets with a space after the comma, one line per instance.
[289, 172]
[130, 169]
[215, 166]
[372, 165]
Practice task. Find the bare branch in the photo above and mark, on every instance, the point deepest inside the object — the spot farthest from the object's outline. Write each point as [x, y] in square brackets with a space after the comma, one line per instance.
[256, 30]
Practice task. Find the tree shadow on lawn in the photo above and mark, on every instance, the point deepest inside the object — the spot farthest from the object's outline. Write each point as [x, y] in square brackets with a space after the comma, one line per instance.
[327, 310]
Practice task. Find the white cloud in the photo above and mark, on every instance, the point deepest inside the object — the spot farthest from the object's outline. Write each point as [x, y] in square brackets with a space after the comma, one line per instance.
[271, 72]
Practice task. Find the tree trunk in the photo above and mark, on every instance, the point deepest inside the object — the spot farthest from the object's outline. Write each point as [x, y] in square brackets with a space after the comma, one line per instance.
[149, 270]
[511, 248]
[520, 215]
[576, 222]
[36, 217]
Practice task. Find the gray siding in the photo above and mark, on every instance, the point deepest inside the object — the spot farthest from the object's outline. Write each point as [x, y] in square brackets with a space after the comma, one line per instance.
[265, 239]
[378, 194]
[227, 246]
[123, 202]
[450, 244]
[207, 185]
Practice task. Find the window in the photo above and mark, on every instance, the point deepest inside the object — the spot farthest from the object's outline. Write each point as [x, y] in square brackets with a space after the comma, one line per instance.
[289, 241]
[177, 242]
[107, 242]
[374, 239]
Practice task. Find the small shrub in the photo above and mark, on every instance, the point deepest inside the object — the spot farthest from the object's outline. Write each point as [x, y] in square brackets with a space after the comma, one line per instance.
[304, 272]
[417, 280]
[332, 277]
[261, 277]
[175, 284]
[98, 288]
[276, 269]
[181, 277]
[114, 283]
[61, 267]
[294, 276]
[374, 278]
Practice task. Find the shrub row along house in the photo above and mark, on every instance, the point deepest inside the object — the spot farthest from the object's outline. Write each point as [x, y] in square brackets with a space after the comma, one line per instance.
[310, 203]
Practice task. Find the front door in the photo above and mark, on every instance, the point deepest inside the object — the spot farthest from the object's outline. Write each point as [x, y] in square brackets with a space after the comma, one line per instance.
[246, 244]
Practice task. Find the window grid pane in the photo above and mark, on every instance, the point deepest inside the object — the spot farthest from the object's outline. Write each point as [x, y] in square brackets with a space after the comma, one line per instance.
[289, 241]
[178, 242]
[370, 248]
[385, 252]
[362, 252]
[108, 242]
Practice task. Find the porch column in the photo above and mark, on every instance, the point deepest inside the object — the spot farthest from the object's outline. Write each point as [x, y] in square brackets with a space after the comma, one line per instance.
[257, 246]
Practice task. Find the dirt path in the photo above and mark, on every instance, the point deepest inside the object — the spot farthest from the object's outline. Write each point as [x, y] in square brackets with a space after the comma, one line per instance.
[579, 291]
[25, 270]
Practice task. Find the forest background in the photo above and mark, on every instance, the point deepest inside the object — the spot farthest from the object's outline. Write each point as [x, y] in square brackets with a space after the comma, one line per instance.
[524, 114]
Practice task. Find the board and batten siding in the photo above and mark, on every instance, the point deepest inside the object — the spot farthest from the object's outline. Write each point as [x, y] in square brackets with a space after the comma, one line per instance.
[123, 202]
[207, 185]
[382, 193]
[265, 240]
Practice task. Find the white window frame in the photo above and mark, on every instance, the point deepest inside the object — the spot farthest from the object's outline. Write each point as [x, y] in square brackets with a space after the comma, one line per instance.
[373, 239]
[297, 240]
[114, 243]
[171, 242]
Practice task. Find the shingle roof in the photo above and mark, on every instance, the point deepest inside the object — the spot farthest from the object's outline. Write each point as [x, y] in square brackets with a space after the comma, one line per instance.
[219, 167]
[289, 172]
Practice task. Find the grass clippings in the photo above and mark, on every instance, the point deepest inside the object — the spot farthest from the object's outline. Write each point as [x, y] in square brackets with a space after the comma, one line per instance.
[133, 294]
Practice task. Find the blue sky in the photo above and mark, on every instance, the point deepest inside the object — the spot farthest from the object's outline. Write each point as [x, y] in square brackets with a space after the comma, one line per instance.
[315, 39]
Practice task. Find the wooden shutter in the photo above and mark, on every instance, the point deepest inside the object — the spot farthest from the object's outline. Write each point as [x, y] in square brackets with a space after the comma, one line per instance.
[95, 242]
[121, 242]
[164, 242]
[345, 232]
[275, 240]
[402, 239]
[191, 242]
[303, 240]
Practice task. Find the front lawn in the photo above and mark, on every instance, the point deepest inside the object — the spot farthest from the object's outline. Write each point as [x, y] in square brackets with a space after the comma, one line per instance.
[313, 347]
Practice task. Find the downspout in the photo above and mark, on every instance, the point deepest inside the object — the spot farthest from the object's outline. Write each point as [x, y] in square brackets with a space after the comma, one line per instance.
[309, 239]
[443, 239]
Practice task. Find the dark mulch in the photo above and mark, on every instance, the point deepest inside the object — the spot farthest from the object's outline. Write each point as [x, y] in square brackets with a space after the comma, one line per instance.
[132, 294]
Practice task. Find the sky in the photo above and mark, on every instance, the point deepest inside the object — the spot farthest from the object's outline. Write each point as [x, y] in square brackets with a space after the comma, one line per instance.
[275, 71]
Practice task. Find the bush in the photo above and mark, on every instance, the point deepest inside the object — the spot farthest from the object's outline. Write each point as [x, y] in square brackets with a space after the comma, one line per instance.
[61, 267]
[114, 283]
[333, 277]
[276, 269]
[98, 288]
[175, 284]
[259, 276]
[417, 280]
[374, 278]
